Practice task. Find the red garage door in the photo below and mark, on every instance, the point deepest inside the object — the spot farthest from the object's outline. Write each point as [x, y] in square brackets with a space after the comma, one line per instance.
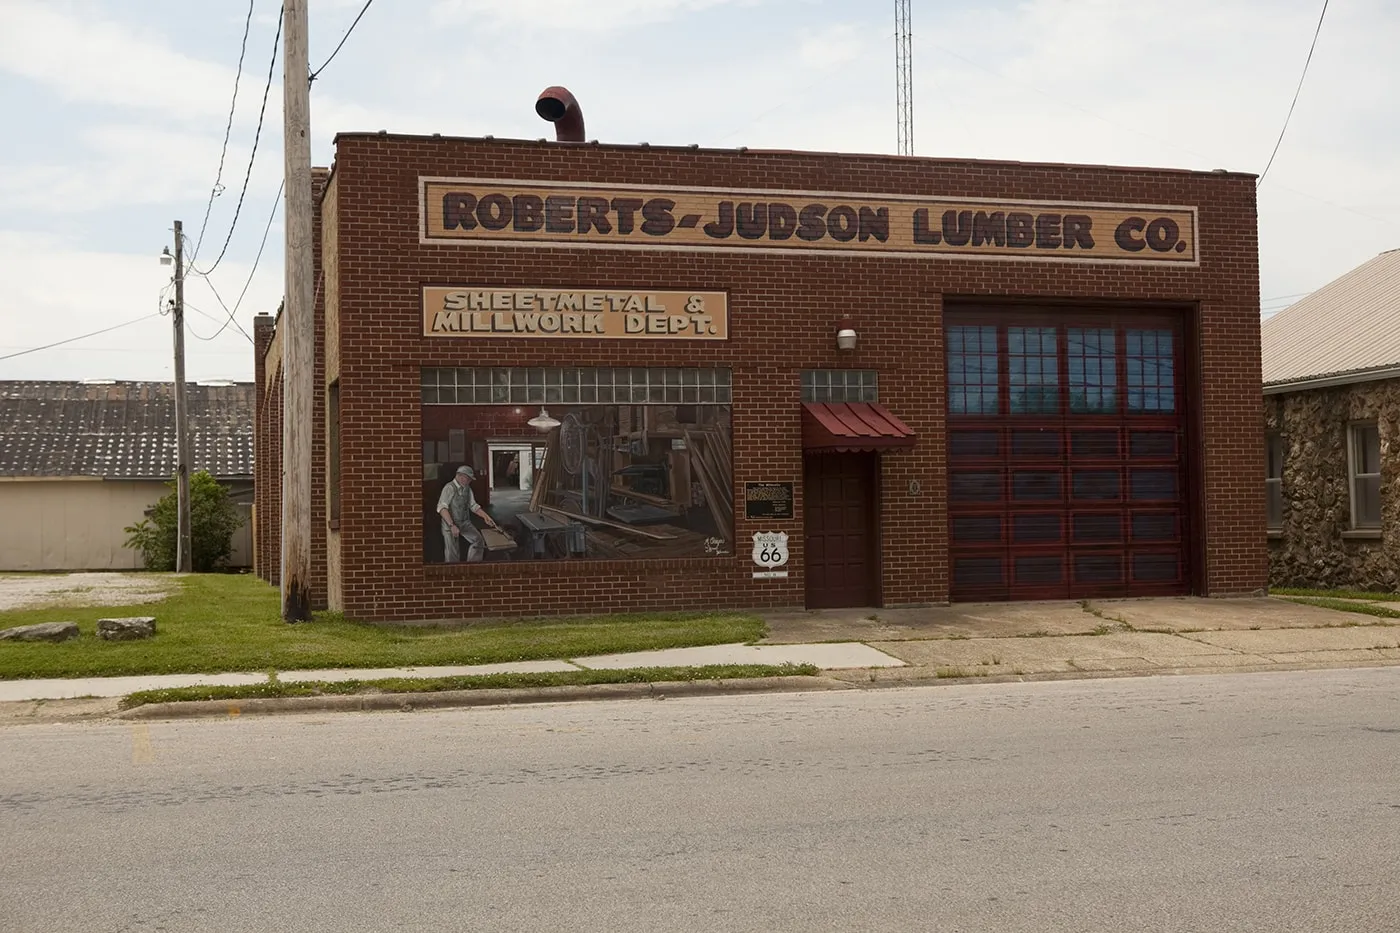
[1066, 463]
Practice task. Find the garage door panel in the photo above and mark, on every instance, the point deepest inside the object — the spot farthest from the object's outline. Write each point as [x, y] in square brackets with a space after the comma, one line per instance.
[980, 575]
[1096, 528]
[1087, 444]
[976, 486]
[1032, 528]
[1066, 461]
[975, 530]
[1097, 485]
[1046, 443]
[1154, 526]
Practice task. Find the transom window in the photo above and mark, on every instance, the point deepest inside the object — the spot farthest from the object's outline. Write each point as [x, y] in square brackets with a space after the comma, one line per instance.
[973, 368]
[840, 385]
[1093, 370]
[1061, 370]
[479, 385]
[1034, 364]
[1151, 370]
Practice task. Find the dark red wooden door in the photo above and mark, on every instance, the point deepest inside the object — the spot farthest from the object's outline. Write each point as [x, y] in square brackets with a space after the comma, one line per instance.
[1067, 473]
[839, 524]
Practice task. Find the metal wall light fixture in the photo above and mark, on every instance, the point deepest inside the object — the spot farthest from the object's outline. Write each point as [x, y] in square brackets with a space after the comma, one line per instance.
[846, 334]
[543, 421]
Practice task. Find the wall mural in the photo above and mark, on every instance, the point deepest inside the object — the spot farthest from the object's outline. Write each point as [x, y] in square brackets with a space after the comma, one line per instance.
[609, 482]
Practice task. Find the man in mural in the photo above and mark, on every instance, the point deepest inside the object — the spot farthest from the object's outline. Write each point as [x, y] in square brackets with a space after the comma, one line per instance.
[456, 505]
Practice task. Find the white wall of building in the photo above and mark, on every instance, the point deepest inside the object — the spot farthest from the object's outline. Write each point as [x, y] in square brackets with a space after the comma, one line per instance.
[79, 524]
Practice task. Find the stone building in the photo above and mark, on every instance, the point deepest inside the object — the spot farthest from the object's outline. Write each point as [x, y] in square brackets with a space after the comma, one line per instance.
[1331, 367]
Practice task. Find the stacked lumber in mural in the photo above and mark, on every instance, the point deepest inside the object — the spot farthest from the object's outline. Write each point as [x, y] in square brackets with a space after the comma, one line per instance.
[547, 477]
[603, 542]
[709, 465]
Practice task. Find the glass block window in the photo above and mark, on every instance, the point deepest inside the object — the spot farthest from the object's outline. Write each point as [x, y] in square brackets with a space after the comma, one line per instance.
[1093, 371]
[840, 385]
[972, 370]
[553, 385]
[1034, 363]
[1151, 369]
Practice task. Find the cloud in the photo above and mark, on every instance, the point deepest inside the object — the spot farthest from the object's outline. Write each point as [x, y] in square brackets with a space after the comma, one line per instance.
[834, 45]
[51, 290]
[92, 59]
[125, 165]
[575, 15]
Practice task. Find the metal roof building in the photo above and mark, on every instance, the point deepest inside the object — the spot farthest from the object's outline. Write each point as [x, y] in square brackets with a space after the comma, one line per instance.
[1347, 331]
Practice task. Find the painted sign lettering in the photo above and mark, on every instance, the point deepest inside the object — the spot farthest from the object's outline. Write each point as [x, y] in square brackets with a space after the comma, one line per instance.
[467, 311]
[617, 216]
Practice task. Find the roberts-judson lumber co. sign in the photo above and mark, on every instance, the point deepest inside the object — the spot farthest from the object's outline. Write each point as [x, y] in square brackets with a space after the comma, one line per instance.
[536, 213]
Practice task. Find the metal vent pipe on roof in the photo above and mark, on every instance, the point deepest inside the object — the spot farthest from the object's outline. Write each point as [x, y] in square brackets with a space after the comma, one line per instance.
[558, 106]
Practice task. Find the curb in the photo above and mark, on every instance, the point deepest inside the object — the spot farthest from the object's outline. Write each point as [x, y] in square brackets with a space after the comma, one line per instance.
[915, 678]
[453, 699]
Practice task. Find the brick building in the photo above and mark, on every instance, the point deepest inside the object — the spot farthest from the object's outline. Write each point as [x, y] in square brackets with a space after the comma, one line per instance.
[694, 378]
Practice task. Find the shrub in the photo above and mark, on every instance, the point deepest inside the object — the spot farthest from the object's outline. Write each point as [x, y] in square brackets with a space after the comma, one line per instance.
[213, 520]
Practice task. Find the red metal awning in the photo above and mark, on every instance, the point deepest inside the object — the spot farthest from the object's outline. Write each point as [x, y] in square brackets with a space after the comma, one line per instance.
[849, 426]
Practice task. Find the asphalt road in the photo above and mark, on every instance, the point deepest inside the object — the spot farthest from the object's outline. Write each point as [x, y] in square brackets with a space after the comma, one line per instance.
[1266, 802]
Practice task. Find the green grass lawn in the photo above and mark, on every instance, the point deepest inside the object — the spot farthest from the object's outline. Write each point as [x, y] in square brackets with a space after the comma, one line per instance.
[1361, 607]
[636, 675]
[1366, 595]
[226, 622]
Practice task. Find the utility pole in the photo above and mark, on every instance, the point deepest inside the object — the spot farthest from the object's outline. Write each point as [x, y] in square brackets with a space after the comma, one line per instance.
[184, 550]
[298, 321]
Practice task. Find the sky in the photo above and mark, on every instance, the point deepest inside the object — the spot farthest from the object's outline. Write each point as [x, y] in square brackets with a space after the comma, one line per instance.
[115, 113]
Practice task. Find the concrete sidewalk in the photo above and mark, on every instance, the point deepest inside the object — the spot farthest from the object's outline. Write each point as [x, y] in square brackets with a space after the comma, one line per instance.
[1022, 639]
[825, 656]
[1004, 641]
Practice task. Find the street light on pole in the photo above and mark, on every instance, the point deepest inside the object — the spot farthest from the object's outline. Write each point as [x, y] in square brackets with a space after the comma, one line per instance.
[184, 550]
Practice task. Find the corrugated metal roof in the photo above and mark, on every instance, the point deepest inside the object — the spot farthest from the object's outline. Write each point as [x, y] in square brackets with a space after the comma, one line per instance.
[122, 430]
[1349, 325]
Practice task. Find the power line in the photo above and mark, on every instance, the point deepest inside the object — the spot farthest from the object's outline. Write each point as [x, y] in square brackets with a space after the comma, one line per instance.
[1296, 92]
[59, 343]
[228, 129]
[317, 73]
[271, 67]
[276, 202]
[229, 313]
[1059, 100]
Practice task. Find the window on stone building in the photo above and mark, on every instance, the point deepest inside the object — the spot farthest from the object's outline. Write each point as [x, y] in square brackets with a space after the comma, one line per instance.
[1364, 460]
[1273, 481]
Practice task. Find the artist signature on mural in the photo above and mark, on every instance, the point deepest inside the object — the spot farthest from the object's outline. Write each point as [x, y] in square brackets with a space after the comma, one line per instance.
[716, 546]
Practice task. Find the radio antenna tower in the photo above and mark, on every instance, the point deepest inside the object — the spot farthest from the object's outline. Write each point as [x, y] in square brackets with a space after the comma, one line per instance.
[903, 77]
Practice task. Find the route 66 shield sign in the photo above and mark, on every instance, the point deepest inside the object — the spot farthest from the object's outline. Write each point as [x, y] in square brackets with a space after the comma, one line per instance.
[770, 549]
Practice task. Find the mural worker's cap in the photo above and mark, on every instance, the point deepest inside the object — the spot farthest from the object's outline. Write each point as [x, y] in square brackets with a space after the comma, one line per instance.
[464, 469]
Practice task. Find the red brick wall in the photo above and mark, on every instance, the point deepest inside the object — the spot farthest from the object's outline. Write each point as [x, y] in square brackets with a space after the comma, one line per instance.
[783, 311]
[267, 456]
[267, 434]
